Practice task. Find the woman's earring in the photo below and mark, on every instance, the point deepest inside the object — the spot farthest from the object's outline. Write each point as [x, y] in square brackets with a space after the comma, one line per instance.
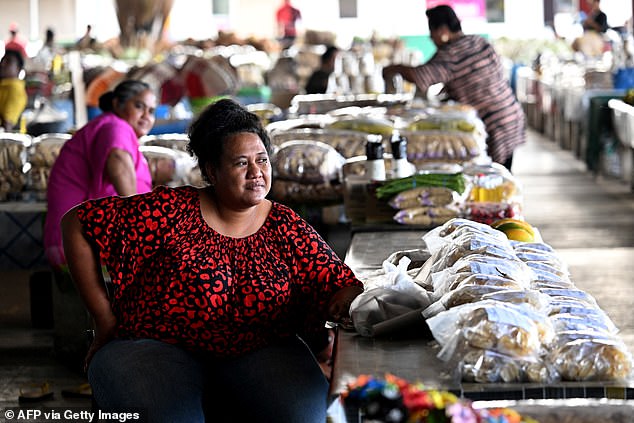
[444, 38]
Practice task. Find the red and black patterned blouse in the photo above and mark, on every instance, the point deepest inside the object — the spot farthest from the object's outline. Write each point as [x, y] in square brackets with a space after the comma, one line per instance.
[179, 281]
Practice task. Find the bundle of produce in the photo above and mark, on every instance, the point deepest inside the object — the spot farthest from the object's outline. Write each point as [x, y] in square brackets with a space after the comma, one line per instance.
[348, 143]
[368, 125]
[183, 169]
[307, 171]
[441, 145]
[424, 199]
[474, 266]
[426, 216]
[480, 287]
[13, 158]
[586, 355]
[42, 154]
[493, 193]
[454, 182]
[586, 345]
[392, 399]
[174, 141]
[471, 242]
[502, 330]
[496, 271]
[486, 366]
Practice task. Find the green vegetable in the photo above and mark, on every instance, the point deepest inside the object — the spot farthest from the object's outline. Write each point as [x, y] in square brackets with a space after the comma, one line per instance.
[455, 182]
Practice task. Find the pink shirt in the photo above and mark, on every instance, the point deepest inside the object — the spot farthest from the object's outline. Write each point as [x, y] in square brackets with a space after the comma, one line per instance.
[79, 173]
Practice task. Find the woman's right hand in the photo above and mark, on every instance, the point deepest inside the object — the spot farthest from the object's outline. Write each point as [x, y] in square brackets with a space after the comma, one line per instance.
[104, 333]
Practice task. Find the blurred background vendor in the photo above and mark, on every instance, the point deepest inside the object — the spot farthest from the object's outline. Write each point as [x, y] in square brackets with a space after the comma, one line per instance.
[472, 74]
[13, 96]
[596, 20]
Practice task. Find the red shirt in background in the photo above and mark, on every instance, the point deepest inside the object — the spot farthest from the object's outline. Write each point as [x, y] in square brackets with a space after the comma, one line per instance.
[286, 17]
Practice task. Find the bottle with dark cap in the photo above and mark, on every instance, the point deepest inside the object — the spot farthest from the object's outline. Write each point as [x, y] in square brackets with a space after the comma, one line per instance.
[374, 164]
[401, 167]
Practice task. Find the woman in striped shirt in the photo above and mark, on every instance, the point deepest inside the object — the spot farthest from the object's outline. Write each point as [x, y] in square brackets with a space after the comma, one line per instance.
[472, 74]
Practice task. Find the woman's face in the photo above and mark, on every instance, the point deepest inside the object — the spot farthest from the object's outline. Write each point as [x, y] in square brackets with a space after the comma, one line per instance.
[243, 178]
[138, 111]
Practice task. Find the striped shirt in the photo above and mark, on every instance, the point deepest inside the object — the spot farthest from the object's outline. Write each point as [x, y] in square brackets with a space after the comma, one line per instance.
[472, 74]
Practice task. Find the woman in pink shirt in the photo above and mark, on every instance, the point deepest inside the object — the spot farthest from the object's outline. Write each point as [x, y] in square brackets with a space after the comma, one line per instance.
[102, 159]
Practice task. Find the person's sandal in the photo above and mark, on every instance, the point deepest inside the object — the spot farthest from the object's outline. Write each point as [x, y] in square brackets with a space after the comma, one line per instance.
[35, 392]
[82, 391]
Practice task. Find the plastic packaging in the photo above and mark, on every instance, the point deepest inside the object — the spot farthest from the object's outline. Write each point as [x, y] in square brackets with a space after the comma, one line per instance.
[426, 216]
[42, 155]
[13, 160]
[390, 295]
[592, 359]
[484, 366]
[511, 329]
[308, 162]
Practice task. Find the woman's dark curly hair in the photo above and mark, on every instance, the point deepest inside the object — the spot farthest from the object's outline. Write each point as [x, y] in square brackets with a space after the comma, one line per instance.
[215, 125]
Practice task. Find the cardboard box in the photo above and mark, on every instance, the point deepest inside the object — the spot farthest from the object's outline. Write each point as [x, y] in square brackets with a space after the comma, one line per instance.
[361, 204]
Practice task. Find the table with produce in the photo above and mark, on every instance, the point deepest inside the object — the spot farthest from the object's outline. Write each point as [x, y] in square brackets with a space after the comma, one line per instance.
[463, 298]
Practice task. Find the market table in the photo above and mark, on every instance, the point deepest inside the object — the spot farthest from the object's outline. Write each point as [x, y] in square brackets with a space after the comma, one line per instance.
[414, 357]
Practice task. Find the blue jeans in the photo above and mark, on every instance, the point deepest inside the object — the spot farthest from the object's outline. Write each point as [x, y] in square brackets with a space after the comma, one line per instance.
[280, 383]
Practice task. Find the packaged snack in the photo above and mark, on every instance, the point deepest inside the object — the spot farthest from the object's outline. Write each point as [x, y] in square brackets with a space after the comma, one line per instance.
[13, 159]
[464, 294]
[423, 196]
[540, 302]
[426, 216]
[472, 243]
[512, 329]
[592, 359]
[484, 366]
[308, 162]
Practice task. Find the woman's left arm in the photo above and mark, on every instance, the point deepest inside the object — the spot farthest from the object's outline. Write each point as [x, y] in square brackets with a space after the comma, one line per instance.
[120, 171]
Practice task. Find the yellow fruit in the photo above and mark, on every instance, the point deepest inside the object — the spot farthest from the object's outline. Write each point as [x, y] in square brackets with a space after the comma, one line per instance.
[515, 225]
[510, 223]
[505, 220]
[519, 235]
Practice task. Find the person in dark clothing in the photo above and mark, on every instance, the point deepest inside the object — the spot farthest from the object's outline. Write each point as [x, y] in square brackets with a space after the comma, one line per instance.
[596, 20]
[318, 81]
[472, 74]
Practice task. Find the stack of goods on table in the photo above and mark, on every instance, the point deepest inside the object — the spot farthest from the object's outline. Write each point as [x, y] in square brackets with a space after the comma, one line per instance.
[307, 172]
[449, 133]
[435, 194]
[504, 308]
[42, 154]
[425, 199]
[551, 330]
[444, 147]
[172, 148]
[13, 158]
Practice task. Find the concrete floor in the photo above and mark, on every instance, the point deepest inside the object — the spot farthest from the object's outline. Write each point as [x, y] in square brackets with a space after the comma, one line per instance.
[588, 220]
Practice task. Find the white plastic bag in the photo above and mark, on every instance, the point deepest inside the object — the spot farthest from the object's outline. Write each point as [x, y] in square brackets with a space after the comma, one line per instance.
[387, 296]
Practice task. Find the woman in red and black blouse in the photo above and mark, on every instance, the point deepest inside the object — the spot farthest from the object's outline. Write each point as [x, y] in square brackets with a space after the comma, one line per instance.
[472, 74]
[219, 291]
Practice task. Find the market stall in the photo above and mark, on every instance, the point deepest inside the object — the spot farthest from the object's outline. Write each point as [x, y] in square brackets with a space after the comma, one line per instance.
[412, 353]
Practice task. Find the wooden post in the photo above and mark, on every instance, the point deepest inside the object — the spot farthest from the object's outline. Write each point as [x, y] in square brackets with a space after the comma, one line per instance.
[79, 88]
